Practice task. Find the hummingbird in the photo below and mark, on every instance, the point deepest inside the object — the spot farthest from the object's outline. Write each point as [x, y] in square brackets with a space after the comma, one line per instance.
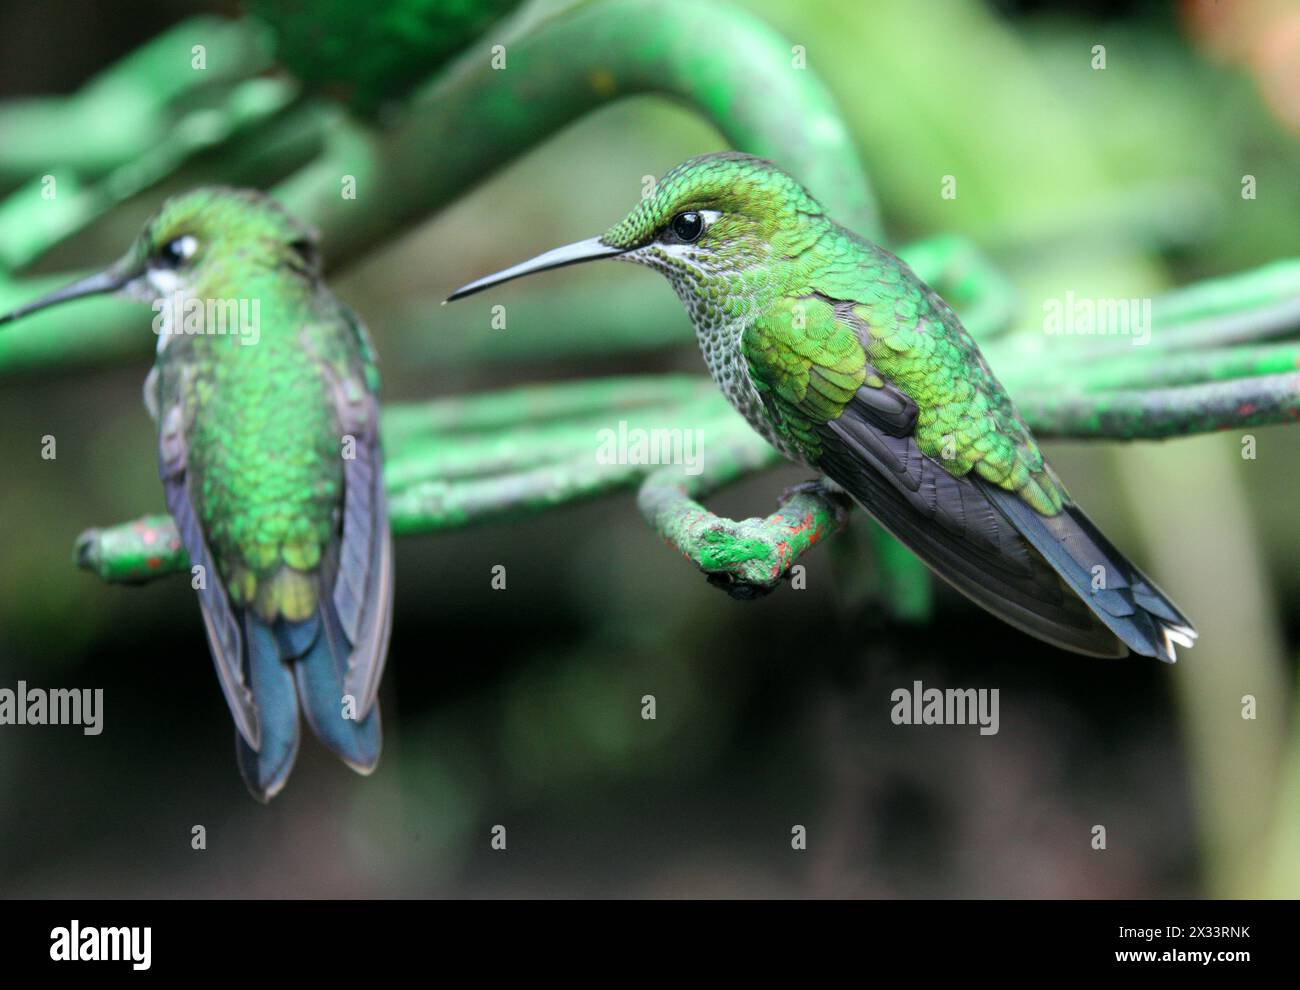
[845, 361]
[264, 390]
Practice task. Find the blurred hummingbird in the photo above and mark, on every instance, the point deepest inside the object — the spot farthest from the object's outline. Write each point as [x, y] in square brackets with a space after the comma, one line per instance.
[264, 390]
[845, 361]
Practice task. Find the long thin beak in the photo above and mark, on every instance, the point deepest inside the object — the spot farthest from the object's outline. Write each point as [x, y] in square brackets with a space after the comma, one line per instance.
[570, 254]
[109, 280]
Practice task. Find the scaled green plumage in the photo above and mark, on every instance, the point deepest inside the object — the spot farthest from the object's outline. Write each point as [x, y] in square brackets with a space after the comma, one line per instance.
[844, 360]
[829, 312]
[263, 439]
[264, 392]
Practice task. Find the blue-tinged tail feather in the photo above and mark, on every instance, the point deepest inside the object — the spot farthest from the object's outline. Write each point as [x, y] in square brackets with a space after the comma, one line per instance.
[266, 768]
[336, 719]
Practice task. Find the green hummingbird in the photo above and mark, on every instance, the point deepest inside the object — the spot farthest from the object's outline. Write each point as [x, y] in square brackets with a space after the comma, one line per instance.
[264, 391]
[845, 361]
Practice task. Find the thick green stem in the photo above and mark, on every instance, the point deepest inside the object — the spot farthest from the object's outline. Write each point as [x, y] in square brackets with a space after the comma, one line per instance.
[1143, 368]
[1256, 305]
[1155, 414]
[1219, 315]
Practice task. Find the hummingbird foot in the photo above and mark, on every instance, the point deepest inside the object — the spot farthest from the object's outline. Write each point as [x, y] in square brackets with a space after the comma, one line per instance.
[738, 588]
[822, 487]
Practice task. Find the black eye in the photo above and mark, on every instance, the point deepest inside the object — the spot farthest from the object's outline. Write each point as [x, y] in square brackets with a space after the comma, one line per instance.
[687, 226]
[176, 252]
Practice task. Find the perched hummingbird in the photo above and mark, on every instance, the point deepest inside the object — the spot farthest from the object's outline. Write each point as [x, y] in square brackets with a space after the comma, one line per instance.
[264, 390]
[844, 360]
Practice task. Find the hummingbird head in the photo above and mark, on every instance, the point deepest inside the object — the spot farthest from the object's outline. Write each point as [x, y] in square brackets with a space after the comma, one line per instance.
[189, 245]
[724, 223]
[194, 237]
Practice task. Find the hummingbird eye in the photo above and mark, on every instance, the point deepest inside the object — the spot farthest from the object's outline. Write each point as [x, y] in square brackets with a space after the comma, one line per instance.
[177, 251]
[687, 226]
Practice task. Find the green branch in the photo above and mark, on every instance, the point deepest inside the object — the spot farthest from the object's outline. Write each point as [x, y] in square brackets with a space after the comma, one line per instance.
[748, 556]
[1155, 414]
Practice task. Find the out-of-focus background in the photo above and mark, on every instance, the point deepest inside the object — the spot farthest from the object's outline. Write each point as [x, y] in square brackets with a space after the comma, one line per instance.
[522, 707]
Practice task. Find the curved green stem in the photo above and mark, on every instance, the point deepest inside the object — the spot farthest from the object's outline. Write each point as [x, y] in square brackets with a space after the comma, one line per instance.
[747, 556]
[561, 70]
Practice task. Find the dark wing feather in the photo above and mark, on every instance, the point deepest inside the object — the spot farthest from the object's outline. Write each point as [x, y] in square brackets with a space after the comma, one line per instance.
[363, 590]
[951, 523]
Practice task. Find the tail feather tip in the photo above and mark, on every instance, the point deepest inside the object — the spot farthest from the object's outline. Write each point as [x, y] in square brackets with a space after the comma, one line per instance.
[1174, 636]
